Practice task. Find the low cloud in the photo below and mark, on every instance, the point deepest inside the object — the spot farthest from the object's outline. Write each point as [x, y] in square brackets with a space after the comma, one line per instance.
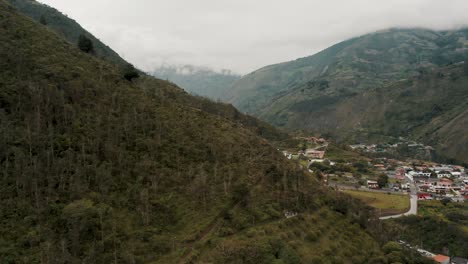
[244, 35]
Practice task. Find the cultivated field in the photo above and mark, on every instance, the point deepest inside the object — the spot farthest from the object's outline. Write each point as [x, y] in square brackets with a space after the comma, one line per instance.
[387, 203]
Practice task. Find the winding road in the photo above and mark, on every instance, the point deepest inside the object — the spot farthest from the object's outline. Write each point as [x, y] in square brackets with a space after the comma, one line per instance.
[413, 203]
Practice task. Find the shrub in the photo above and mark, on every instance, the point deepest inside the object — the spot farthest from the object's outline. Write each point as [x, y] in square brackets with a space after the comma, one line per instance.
[130, 73]
[85, 44]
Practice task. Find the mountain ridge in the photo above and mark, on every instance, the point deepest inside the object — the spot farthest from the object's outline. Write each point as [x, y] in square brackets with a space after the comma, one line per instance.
[287, 94]
[64, 26]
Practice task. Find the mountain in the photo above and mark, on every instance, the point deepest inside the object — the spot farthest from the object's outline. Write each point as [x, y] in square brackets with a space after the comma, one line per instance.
[432, 108]
[65, 26]
[314, 93]
[201, 81]
[97, 168]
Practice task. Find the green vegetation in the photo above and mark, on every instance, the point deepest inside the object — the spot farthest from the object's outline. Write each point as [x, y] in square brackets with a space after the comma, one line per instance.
[399, 82]
[321, 237]
[85, 44]
[130, 73]
[98, 169]
[382, 180]
[438, 228]
[340, 153]
[456, 213]
[395, 253]
[388, 204]
[64, 27]
[430, 233]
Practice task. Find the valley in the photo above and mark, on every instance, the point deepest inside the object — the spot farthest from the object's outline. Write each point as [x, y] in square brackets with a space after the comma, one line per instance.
[357, 154]
[392, 83]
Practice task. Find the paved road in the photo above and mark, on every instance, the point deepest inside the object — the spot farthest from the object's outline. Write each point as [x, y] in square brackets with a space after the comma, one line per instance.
[353, 188]
[413, 204]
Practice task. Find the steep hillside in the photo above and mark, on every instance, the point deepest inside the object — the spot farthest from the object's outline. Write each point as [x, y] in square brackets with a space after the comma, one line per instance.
[63, 25]
[430, 108]
[351, 66]
[99, 169]
[198, 80]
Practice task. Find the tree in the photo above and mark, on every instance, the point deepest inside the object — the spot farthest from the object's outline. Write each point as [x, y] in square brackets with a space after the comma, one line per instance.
[382, 180]
[43, 20]
[85, 44]
[391, 247]
[130, 73]
[240, 194]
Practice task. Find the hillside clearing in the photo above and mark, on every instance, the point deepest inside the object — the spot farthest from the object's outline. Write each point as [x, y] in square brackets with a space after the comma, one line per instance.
[387, 203]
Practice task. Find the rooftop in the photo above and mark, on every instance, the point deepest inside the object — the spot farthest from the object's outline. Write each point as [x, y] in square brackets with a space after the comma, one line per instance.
[441, 258]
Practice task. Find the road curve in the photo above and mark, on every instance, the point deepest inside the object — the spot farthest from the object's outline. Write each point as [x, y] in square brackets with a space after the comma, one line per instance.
[413, 204]
[412, 211]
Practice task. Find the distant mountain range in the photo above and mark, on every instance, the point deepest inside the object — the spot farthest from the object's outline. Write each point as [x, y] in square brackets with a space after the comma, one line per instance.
[198, 80]
[410, 82]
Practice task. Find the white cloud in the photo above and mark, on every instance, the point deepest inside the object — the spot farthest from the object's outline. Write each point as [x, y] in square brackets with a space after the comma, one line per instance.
[244, 35]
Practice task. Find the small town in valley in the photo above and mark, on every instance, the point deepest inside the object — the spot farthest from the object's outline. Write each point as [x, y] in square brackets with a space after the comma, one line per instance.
[392, 186]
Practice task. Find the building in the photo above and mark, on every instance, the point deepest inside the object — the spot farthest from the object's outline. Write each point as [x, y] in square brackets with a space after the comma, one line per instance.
[314, 154]
[444, 174]
[420, 174]
[441, 259]
[444, 183]
[424, 196]
[400, 173]
[372, 184]
[379, 166]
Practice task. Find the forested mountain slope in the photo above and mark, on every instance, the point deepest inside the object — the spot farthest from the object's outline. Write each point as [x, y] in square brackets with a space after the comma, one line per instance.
[357, 64]
[65, 26]
[430, 108]
[348, 90]
[99, 169]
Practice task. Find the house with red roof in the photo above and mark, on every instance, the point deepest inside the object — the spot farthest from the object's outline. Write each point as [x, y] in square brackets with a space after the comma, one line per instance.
[441, 259]
[424, 196]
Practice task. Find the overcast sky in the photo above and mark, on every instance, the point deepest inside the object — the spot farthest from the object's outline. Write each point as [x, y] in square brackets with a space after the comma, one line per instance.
[244, 35]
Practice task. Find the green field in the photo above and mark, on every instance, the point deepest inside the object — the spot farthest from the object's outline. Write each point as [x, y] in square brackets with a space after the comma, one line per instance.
[387, 203]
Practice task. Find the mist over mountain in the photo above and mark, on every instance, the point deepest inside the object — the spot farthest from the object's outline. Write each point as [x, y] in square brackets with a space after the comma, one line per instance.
[198, 80]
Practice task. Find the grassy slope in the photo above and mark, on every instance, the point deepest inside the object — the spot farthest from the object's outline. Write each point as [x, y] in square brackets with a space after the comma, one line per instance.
[98, 169]
[387, 203]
